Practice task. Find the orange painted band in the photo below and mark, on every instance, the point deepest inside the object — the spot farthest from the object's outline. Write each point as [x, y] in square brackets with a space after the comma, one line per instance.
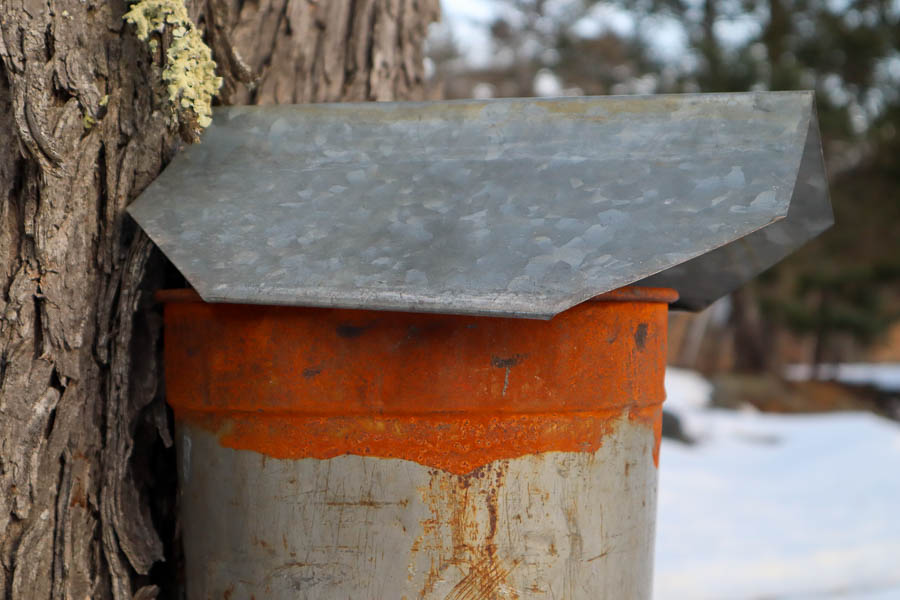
[447, 391]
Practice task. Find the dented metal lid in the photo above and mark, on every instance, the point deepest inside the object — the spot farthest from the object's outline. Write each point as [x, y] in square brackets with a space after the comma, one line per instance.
[517, 207]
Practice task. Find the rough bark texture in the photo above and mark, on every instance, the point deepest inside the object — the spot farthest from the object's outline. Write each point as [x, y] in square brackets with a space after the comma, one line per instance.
[86, 492]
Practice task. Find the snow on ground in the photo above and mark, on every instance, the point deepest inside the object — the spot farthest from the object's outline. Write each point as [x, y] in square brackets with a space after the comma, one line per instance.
[885, 375]
[779, 507]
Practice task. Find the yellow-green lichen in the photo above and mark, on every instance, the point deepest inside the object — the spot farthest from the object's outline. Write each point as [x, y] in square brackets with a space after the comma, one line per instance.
[190, 72]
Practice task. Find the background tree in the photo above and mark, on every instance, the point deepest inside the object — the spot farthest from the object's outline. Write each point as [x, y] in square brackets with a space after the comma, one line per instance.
[536, 39]
[86, 467]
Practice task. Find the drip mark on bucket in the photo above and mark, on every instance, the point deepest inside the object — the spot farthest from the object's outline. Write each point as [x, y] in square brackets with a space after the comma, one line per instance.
[506, 363]
[186, 457]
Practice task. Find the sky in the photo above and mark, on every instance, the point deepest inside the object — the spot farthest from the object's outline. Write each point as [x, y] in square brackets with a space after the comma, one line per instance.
[469, 20]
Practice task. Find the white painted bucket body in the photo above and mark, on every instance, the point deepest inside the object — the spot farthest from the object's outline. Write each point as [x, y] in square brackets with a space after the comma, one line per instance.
[566, 525]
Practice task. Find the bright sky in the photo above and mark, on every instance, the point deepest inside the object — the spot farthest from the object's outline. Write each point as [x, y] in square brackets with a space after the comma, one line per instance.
[469, 20]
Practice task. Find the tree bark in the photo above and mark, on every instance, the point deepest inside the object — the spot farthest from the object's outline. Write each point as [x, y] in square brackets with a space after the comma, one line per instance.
[86, 480]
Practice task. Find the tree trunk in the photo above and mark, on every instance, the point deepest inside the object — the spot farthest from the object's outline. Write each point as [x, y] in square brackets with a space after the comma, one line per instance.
[753, 351]
[86, 481]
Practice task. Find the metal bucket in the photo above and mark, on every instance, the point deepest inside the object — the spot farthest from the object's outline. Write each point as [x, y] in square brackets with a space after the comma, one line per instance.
[334, 454]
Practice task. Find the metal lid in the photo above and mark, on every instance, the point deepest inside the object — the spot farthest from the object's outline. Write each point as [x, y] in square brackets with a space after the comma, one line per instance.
[517, 207]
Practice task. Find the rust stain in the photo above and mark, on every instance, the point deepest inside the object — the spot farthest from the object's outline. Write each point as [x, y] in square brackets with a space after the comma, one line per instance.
[651, 416]
[458, 443]
[459, 535]
[419, 387]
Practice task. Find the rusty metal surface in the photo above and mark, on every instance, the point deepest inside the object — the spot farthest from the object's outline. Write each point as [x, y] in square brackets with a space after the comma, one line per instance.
[330, 454]
[452, 392]
[518, 207]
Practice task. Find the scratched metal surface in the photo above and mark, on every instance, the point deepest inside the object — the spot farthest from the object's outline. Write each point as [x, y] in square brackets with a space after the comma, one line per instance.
[516, 207]
[577, 523]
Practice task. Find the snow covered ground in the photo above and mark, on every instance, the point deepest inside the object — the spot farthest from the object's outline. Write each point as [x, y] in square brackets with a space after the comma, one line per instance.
[776, 507]
[885, 376]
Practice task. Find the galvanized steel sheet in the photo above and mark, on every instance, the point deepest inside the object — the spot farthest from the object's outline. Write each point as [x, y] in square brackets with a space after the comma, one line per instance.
[516, 207]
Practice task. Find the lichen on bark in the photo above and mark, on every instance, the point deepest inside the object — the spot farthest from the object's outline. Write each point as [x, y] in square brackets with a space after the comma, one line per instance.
[190, 72]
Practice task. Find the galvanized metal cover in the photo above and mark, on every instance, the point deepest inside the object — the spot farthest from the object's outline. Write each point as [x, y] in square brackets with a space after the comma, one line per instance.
[517, 207]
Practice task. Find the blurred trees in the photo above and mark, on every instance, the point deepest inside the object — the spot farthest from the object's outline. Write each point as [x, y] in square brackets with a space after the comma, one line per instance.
[844, 288]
